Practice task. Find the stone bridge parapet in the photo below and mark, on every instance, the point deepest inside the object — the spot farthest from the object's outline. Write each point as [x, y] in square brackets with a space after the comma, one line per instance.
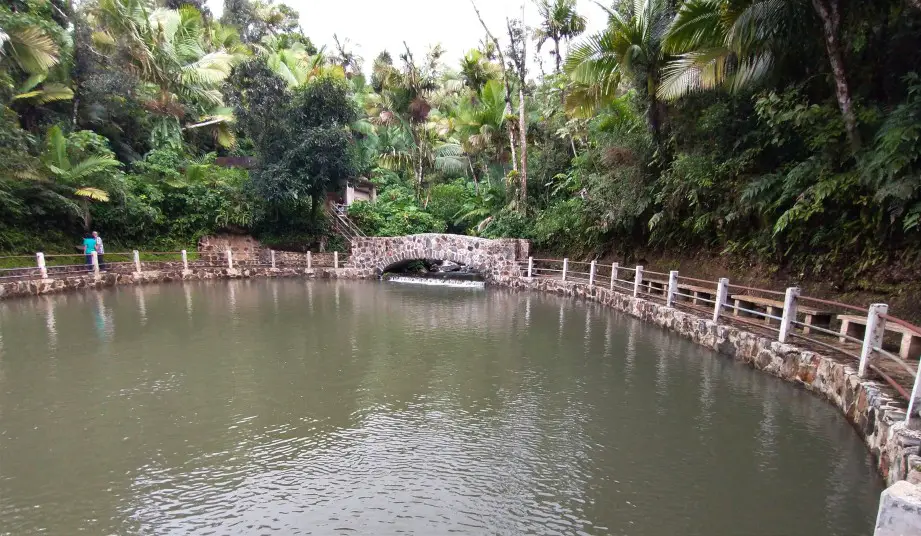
[495, 259]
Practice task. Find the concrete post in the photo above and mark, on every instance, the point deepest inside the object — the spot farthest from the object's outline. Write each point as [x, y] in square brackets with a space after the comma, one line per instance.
[637, 281]
[42, 269]
[185, 261]
[137, 261]
[272, 253]
[229, 260]
[95, 257]
[672, 288]
[876, 328]
[530, 267]
[614, 268]
[565, 268]
[722, 293]
[899, 510]
[789, 313]
[591, 275]
[915, 394]
[336, 260]
[309, 260]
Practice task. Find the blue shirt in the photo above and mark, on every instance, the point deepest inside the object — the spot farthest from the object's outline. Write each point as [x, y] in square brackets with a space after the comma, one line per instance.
[90, 244]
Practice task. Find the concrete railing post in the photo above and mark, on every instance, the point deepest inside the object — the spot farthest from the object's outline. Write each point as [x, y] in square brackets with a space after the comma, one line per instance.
[565, 268]
[185, 261]
[591, 275]
[272, 254]
[873, 338]
[614, 268]
[95, 258]
[789, 313]
[229, 260]
[722, 294]
[336, 260]
[309, 260]
[672, 288]
[637, 281]
[137, 261]
[915, 394]
[530, 267]
[42, 269]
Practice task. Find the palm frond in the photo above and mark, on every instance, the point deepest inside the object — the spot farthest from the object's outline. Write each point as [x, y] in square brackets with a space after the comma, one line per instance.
[94, 194]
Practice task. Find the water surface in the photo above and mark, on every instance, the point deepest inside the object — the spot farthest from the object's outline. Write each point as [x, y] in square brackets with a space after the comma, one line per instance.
[294, 407]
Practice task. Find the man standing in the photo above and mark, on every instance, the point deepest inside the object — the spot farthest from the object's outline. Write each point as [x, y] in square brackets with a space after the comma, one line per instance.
[99, 250]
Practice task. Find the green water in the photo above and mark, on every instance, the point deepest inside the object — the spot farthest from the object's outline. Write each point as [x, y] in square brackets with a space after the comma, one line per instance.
[294, 407]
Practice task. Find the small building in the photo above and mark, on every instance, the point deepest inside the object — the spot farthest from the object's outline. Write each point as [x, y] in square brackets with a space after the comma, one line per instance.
[360, 189]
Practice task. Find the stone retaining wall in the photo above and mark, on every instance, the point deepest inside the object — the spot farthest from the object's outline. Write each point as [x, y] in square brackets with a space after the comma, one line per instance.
[876, 413]
[77, 282]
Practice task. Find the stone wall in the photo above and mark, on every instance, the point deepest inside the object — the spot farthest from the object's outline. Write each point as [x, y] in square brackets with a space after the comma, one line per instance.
[71, 283]
[243, 247]
[293, 258]
[874, 410]
[493, 258]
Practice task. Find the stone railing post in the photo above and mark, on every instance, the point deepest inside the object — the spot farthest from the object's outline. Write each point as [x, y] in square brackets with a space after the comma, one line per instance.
[309, 260]
[637, 281]
[229, 260]
[565, 268]
[591, 274]
[614, 268]
[530, 267]
[672, 288]
[185, 261]
[137, 261]
[876, 328]
[789, 313]
[336, 260]
[42, 269]
[722, 293]
[272, 254]
[95, 258]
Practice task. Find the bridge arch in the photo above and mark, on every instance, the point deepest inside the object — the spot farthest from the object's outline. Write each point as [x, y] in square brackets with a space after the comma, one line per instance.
[495, 259]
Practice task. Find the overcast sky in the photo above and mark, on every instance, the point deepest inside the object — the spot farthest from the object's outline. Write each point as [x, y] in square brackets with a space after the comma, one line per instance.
[375, 25]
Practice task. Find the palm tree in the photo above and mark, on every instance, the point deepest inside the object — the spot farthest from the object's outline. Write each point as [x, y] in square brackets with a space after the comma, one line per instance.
[631, 45]
[76, 177]
[174, 56]
[559, 22]
[723, 42]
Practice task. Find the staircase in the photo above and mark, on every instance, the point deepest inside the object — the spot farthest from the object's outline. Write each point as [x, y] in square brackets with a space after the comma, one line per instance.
[342, 225]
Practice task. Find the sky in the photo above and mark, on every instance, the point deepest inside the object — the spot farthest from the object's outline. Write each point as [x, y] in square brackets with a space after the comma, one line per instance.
[375, 25]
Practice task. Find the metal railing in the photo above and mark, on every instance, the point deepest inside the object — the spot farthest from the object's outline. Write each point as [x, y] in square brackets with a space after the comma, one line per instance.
[342, 223]
[784, 315]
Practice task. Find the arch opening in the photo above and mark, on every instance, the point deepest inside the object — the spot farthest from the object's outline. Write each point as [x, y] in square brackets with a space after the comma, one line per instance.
[438, 269]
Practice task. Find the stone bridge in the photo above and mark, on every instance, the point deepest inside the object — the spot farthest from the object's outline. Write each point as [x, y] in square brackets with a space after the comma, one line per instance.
[495, 259]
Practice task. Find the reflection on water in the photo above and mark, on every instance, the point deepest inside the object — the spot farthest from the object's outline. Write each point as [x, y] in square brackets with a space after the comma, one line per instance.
[296, 407]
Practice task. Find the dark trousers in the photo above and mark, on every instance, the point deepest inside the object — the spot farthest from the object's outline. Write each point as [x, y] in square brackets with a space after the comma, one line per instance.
[89, 262]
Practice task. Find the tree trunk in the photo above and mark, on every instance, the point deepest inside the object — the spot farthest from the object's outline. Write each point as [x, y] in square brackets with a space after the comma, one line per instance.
[476, 183]
[86, 215]
[831, 20]
[556, 48]
[511, 135]
[523, 139]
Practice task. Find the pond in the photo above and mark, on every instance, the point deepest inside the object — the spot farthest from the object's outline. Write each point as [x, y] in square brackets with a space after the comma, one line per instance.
[296, 407]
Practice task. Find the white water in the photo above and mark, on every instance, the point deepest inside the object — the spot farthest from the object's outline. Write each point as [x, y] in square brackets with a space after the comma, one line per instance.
[436, 282]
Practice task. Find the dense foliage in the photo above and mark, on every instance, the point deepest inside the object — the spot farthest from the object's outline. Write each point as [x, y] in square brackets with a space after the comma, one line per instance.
[783, 130]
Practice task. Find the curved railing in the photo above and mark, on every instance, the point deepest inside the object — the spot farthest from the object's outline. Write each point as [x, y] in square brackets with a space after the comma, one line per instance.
[868, 335]
[41, 266]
